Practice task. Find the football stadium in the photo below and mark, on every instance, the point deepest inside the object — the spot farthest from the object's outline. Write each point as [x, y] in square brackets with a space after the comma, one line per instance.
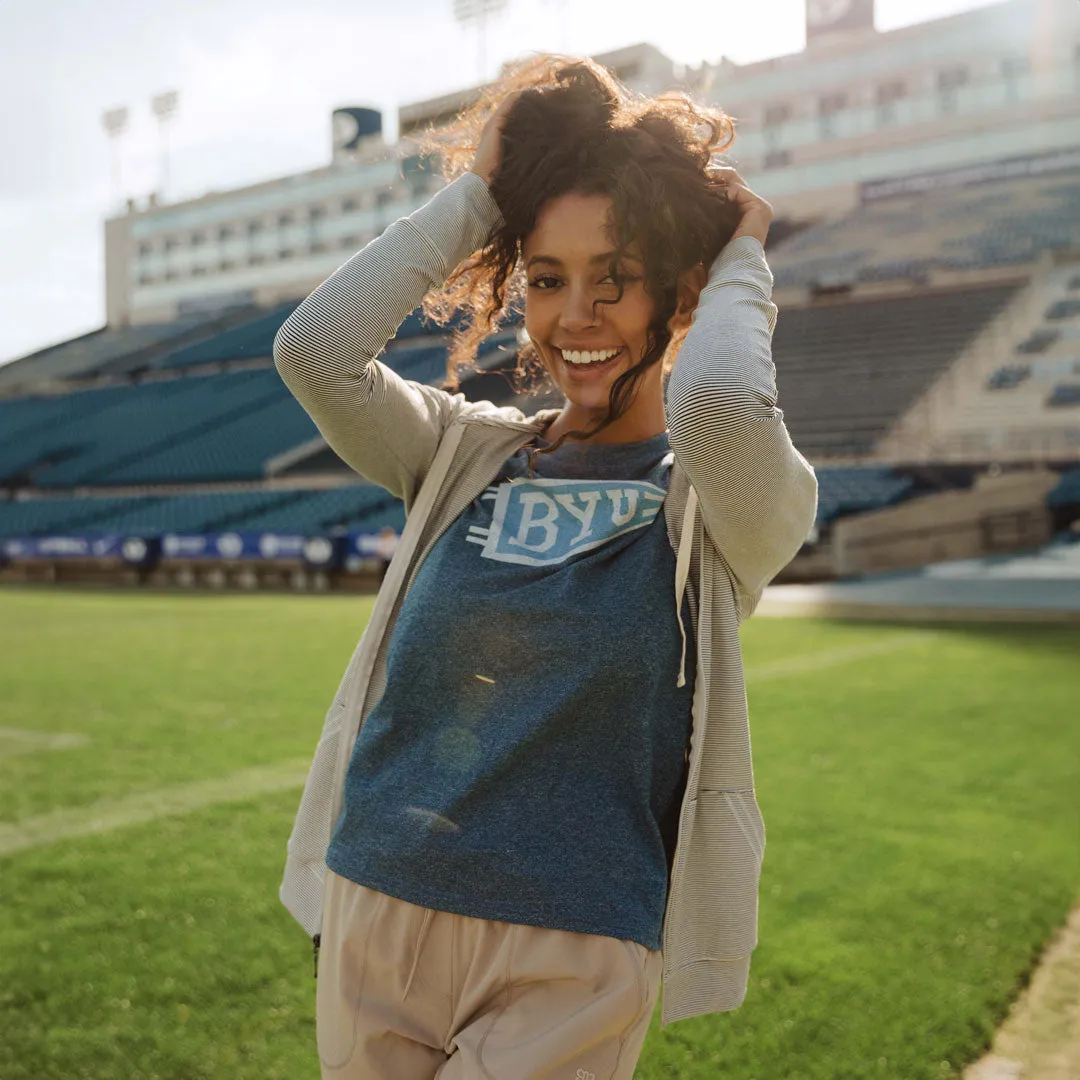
[187, 566]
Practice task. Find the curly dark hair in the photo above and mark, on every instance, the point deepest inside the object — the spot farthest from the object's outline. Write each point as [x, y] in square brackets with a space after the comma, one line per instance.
[576, 129]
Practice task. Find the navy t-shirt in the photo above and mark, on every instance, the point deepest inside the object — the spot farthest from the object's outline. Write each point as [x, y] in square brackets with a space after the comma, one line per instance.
[527, 759]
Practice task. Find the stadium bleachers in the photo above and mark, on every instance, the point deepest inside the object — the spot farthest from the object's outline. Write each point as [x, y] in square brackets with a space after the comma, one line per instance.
[250, 340]
[317, 510]
[48, 517]
[1067, 490]
[1064, 395]
[357, 506]
[222, 426]
[1038, 341]
[237, 448]
[998, 400]
[856, 489]
[849, 367]
[842, 490]
[910, 236]
[42, 429]
[146, 418]
[1005, 378]
[104, 350]
[847, 371]
[1063, 309]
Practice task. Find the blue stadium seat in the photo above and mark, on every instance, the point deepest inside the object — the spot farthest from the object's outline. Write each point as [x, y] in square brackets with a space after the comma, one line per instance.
[1064, 395]
[1005, 378]
[249, 341]
[857, 489]
[1000, 228]
[151, 418]
[1066, 492]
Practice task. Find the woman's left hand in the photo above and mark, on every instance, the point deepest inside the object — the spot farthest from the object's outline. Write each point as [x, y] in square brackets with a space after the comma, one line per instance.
[756, 213]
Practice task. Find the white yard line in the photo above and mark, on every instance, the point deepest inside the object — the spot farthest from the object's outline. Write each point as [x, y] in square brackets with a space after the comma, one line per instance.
[15, 741]
[143, 806]
[843, 654]
[1040, 1038]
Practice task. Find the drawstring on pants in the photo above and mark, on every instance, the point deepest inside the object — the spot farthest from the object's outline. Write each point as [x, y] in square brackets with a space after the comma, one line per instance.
[428, 914]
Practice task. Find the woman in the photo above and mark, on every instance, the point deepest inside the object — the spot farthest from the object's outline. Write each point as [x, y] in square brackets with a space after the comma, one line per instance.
[533, 796]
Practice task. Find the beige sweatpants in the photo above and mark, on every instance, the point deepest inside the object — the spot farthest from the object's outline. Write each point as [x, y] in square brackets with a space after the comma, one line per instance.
[410, 993]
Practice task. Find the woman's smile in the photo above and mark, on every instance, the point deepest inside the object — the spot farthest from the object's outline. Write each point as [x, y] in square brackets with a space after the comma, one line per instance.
[589, 372]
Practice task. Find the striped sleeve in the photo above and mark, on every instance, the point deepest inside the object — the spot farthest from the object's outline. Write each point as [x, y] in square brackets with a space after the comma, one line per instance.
[385, 427]
[758, 494]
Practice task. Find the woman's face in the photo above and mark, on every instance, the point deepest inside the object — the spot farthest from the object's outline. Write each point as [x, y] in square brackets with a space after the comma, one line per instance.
[566, 266]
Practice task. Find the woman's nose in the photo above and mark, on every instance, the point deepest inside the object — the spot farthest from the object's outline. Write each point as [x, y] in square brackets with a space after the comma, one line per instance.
[578, 311]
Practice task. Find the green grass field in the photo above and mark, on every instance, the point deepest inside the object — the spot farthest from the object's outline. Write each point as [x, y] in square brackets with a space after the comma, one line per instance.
[918, 786]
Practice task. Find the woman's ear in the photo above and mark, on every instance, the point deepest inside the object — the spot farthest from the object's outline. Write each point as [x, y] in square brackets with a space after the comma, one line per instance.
[691, 282]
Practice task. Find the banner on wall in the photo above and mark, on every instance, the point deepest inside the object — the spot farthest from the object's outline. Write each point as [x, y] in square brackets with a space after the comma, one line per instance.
[324, 551]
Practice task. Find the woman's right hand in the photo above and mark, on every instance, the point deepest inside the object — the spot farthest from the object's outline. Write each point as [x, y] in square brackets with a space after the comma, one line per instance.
[488, 153]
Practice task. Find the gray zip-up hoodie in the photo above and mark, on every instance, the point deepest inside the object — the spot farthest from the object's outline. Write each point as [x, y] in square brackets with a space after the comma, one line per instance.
[740, 504]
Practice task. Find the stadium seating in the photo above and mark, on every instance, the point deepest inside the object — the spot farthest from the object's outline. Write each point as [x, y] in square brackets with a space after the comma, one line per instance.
[235, 449]
[426, 365]
[856, 489]
[191, 429]
[908, 237]
[1039, 341]
[40, 429]
[998, 401]
[847, 371]
[848, 368]
[321, 510]
[841, 490]
[416, 325]
[358, 506]
[1064, 395]
[49, 517]
[1005, 378]
[1063, 309]
[151, 417]
[1067, 490]
[102, 350]
[248, 341]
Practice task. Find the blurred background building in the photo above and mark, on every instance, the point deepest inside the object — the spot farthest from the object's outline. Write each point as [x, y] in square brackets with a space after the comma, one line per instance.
[927, 261]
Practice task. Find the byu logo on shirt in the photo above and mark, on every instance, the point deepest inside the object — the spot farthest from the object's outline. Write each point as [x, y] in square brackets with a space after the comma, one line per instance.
[540, 522]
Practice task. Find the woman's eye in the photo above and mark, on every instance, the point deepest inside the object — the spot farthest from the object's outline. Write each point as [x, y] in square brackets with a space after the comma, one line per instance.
[626, 279]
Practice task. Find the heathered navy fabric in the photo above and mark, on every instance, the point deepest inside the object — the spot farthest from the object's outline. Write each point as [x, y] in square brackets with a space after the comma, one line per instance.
[527, 760]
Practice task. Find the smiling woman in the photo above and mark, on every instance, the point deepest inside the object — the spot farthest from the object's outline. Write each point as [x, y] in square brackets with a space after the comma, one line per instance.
[507, 787]
[587, 177]
[584, 354]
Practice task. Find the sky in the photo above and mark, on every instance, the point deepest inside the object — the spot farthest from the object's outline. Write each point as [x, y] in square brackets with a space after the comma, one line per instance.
[257, 82]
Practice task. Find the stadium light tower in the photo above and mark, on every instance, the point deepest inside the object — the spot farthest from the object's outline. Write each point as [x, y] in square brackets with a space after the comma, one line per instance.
[115, 122]
[164, 108]
[469, 10]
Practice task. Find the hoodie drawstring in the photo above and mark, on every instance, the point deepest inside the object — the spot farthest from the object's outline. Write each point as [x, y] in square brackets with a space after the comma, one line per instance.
[682, 572]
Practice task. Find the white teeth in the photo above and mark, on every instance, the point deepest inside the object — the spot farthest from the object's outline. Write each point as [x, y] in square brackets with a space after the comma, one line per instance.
[588, 357]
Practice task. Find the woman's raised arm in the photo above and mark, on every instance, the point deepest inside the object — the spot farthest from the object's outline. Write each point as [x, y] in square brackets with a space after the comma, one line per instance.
[758, 494]
[386, 427]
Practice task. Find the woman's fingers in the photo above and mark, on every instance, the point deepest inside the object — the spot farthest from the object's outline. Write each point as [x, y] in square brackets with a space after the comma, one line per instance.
[755, 213]
[488, 153]
[726, 174]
